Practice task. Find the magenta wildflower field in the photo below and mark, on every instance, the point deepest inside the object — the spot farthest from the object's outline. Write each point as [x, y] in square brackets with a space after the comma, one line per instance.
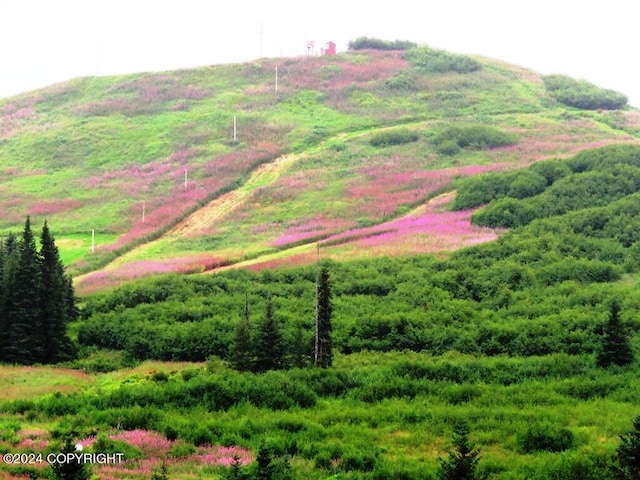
[99, 280]
[428, 229]
[377, 194]
[155, 448]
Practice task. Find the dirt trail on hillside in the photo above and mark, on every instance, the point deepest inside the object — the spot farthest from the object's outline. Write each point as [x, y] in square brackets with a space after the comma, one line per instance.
[219, 208]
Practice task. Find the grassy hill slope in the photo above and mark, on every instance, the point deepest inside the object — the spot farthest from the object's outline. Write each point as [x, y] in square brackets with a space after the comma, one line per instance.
[149, 161]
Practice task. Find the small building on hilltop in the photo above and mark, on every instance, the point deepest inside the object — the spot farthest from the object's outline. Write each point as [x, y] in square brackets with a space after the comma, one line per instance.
[329, 49]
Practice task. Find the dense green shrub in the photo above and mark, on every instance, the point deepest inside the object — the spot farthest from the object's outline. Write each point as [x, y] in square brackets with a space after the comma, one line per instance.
[396, 136]
[429, 60]
[605, 157]
[505, 213]
[401, 82]
[526, 183]
[582, 94]
[551, 170]
[368, 43]
[478, 190]
[596, 183]
[471, 137]
[544, 436]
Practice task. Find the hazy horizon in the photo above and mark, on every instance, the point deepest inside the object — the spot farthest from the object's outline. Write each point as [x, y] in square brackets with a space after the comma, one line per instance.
[42, 43]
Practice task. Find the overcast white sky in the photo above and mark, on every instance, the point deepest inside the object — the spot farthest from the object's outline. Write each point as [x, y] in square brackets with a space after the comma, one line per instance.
[49, 41]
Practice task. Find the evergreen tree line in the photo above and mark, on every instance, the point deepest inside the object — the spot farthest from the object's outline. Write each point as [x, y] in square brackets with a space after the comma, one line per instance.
[37, 300]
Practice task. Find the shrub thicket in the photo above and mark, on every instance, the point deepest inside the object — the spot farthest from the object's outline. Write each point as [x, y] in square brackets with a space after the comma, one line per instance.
[429, 60]
[397, 136]
[368, 43]
[582, 94]
[474, 137]
[545, 437]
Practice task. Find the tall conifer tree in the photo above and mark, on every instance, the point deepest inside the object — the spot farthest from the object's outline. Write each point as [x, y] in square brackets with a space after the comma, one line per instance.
[3, 316]
[25, 330]
[324, 308]
[55, 291]
[615, 348]
[627, 459]
[242, 348]
[9, 251]
[270, 349]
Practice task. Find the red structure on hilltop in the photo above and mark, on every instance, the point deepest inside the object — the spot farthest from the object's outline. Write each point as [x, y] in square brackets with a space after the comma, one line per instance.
[329, 49]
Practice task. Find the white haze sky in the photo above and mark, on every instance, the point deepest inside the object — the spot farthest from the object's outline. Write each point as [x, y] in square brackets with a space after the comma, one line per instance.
[49, 41]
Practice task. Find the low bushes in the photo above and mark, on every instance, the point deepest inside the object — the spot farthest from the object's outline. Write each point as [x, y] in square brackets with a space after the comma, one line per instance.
[369, 43]
[393, 137]
[429, 60]
[455, 138]
[582, 94]
[544, 437]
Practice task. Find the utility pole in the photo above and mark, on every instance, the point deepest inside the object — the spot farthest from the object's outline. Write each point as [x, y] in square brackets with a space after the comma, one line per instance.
[235, 128]
[93, 240]
[316, 348]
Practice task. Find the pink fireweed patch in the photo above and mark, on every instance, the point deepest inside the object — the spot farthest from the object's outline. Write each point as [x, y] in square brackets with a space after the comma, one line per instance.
[15, 114]
[341, 73]
[306, 229]
[284, 262]
[48, 207]
[101, 280]
[32, 439]
[217, 455]
[385, 187]
[155, 448]
[171, 265]
[151, 443]
[424, 220]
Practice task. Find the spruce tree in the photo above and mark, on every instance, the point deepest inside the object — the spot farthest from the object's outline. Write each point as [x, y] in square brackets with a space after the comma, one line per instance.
[264, 469]
[627, 459]
[300, 354]
[25, 333]
[54, 297]
[615, 348]
[270, 348]
[71, 470]
[463, 461]
[242, 358]
[323, 345]
[8, 260]
[3, 290]
[236, 470]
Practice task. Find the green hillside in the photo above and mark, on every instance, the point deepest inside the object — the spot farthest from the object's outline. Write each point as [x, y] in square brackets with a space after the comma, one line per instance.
[477, 229]
[347, 142]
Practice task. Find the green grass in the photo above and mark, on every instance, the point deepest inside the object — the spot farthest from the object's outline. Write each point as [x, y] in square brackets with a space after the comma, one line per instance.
[408, 433]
